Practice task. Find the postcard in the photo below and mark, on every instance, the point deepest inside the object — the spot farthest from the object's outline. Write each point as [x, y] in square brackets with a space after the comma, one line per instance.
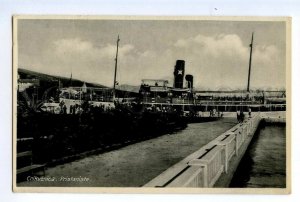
[149, 104]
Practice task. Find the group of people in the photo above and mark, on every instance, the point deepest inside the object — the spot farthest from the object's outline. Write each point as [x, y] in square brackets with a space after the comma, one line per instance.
[74, 109]
[241, 116]
[214, 112]
[63, 108]
[158, 108]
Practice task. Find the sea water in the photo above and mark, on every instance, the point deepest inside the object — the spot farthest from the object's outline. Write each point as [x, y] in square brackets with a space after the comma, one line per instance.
[264, 163]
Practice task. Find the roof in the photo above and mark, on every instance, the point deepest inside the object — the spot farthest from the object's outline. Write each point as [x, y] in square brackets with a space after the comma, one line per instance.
[180, 89]
[158, 89]
[157, 80]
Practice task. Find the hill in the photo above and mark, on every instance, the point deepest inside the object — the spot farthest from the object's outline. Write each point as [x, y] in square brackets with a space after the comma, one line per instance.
[50, 79]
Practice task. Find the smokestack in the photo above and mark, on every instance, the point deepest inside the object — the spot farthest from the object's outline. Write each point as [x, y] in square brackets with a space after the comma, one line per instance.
[189, 79]
[179, 74]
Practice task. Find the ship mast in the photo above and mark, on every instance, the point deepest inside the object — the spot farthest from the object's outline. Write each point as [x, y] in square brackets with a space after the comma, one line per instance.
[116, 67]
[250, 60]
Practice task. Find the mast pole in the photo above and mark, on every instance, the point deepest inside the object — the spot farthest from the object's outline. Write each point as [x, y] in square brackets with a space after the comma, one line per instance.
[250, 60]
[116, 67]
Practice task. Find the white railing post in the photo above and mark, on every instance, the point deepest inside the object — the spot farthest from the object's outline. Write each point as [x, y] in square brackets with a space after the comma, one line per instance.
[196, 179]
[205, 176]
[248, 129]
[241, 132]
[226, 156]
[203, 165]
[236, 144]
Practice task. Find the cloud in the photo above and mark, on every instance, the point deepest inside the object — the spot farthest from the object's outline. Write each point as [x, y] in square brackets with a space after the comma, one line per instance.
[222, 61]
[85, 60]
[63, 46]
[77, 46]
[217, 61]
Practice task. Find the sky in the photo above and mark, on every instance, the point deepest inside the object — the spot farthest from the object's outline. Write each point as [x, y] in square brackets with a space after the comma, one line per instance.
[216, 53]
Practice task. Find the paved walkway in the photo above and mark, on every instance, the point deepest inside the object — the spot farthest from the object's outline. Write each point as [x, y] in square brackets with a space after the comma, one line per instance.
[137, 164]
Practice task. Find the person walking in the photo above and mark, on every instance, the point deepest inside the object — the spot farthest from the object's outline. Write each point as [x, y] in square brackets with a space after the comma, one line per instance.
[249, 112]
[238, 115]
[242, 116]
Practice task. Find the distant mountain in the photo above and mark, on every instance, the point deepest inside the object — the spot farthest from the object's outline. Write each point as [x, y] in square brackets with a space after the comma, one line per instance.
[129, 88]
[45, 78]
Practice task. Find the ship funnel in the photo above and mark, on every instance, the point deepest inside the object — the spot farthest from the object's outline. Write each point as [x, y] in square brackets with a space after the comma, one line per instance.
[179, 74]
[189, 79]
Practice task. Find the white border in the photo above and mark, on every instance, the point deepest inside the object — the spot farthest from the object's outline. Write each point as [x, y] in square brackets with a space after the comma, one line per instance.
[287, 21]
[138, 7]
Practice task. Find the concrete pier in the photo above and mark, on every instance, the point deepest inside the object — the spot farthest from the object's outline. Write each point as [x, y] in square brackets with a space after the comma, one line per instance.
[214, 164]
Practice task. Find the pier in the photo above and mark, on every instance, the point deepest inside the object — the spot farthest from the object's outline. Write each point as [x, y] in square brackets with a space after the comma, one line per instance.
[214, 164]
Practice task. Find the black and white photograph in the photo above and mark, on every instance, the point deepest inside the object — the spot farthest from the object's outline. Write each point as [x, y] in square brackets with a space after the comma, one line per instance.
[155, 103]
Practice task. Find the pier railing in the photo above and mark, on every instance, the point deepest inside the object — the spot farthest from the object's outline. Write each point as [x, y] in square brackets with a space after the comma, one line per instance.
[204, 167]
